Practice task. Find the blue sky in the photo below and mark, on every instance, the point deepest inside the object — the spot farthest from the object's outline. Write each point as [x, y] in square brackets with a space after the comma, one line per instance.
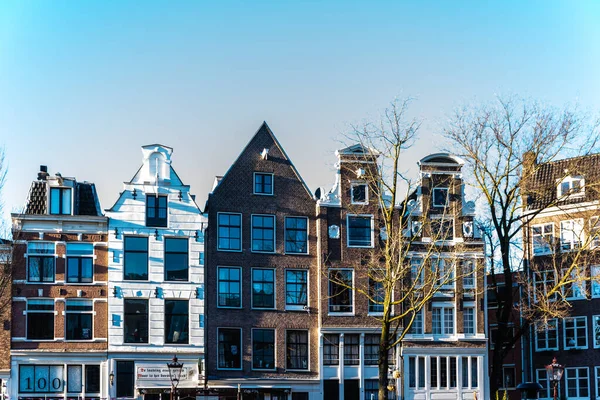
[84, 84]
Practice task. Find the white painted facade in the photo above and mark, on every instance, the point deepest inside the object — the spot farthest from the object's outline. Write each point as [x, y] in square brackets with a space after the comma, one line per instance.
[184, 221]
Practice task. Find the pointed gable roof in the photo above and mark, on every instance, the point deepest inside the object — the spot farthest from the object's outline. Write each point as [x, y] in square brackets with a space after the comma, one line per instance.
[262, 132]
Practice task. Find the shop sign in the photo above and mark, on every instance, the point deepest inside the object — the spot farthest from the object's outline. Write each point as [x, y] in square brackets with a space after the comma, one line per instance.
[155, 375]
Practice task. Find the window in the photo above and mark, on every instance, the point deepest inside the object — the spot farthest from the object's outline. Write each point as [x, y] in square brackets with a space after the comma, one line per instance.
[509, 376]
[74, 383]
[442, 229]
[136, 321]
[229, 232]
[596, 332]
[542, 237]
[296, 294]
[230, 287]
[417, 273]
[80, 262]
[136, 258]
[508, 337]
[575, 289]
[543, 281]
[156, 210]
[351, 349]
[469, 320]
[263, 183]
[594, 232]
[571, 234]
[176, 321]
[443, 269]
[230, 348]
[469, 372]
[92, 379]
[372, 349]
[41, 378]
[340, 291]
[79, 316]
[440, 197]
[360, 232]
[571, 186]
[595, 269]
[263, 349]
[40, 319]
[125, 378]
[263, 288]
[60, 201]
[468, 271]
[546, 335]
[575, 330]
[263, 233]
[297, 350]
[176, 259]
[331, 349]
[442, 319]
[417, 326]
[377, 295]
[443, 372]
[577, 383]
[40, 260]
[360, 193]
[416, 372]
[546, 391]
[597, 384]
[296, 235]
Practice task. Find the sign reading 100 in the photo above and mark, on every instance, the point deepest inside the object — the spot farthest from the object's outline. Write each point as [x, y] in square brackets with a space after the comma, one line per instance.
[41, 378]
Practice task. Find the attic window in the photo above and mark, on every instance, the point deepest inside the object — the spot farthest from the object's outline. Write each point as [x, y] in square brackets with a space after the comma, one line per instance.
[571, 186]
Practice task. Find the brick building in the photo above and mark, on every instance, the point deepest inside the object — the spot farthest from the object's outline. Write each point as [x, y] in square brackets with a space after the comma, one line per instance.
[444, 356]
[6, 252]
[262, 274]
[566, 192]
[59, 304]
[156, 282]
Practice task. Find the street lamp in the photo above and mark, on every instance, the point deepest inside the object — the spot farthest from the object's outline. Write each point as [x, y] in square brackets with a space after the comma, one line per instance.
[175, 369]
[554, 372]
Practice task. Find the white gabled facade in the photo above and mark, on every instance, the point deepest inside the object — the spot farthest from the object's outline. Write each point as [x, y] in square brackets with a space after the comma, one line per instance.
[156, 281]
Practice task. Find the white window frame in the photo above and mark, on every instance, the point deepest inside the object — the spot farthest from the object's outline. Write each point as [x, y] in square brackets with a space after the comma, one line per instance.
[67, 312]
[538, 332]
[435, 236]
[596, 333]
[307, 252]
[273, 217]
[375, 313]
[355, 184]
[595, 271]
[443, 306]
[370, 245]
[547, 249]
[53, 312]
[571, 234]
[297, 307]
[545, 281]
[579, 287]
[31, 253]
[569, 180]
[577, 371]
[470, 306]
[578, 324]
[541, 375]
[252, 350]
[597, 382]
[218, 284]
[239, 349]
[433, 191]
[254, 183]
[416, 264]
[252, 288]
[435, 261]
[594, 235]
[329, 305]
[91, 256]
[241, 231]
[472, 275]
[308, 350]
[419, 321]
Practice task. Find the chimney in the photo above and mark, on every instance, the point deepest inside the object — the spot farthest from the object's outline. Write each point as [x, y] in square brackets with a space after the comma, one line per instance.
[43, 174]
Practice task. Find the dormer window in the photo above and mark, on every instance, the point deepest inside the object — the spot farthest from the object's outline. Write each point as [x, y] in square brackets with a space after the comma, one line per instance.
[571, 186]
[60, 201]
[360, 193]
[440, 197]
[263, 183]
[156, 210]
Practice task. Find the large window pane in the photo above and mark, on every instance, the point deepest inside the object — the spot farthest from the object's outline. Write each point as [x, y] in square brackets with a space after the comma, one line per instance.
[229, 348]
[176, 259]
[136, 321]
[296, 288]
[263, 233]
[229, 231]
[136, 258]
[296, 235]
[229, 287]
[297, 350]
[263, 288]
[176, 321]
[263, 349]
[359, 231]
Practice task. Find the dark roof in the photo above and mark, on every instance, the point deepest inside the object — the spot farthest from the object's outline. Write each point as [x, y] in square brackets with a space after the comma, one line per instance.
[543, 186]
[36, 203]
[85, 201]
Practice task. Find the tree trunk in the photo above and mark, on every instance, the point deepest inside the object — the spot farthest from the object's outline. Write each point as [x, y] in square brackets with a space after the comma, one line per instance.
[384, 361]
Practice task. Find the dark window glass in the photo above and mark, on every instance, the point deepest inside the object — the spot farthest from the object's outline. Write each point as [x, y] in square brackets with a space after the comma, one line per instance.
[297, 350]
[340, 291]
[80, 269]
[296, 288]
[176, 259]
[176, 321]
[229, 287]
[263, 233]
[263, 183]
[230, 232]
[359, 193]
[125, 378]
[92, 378]
[359, 231]
[300, 396]
[136, 258]
[60, 201]
[263, 288]
[440, 197]
[331, 349]
[263, 349]
[230, 355]
[136, 321]
[296, 234]
[41, 269]
[79, 319]
[40, 319]
[442, 229]
[376, 293]
[156, 210]
[371, 349]
[351, 349]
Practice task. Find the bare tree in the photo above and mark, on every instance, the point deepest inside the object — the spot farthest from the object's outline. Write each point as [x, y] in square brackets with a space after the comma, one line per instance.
[504, 144]
[401, 274]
